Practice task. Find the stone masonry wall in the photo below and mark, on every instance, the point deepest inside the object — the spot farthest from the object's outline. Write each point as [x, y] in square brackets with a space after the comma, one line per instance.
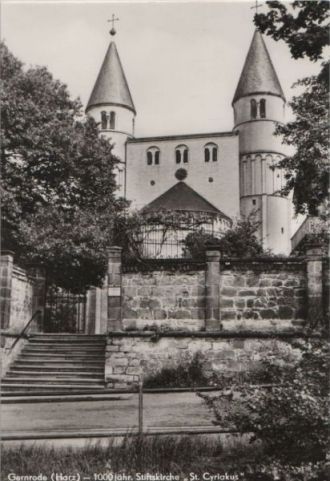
[131, 356]
[164, 298]
[22, 295]
[22, 299]
[255, 293]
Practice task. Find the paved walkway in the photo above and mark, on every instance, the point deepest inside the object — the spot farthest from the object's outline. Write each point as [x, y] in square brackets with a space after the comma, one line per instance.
[160, 411]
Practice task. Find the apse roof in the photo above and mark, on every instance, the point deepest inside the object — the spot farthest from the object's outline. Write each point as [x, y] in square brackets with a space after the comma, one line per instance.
[181, 197]
[111, 86]
[258, 74]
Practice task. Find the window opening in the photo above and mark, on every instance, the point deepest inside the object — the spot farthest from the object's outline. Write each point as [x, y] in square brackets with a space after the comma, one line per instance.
[112, 120]
[253, 105]
[262, 108]
[104, 120]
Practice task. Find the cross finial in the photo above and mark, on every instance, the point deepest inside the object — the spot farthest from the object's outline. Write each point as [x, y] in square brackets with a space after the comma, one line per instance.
[113, 19]
[256, 6]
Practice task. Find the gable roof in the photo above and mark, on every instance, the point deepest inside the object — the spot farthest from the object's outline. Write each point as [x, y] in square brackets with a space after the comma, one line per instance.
[181, 197]
[111, 86]
[258, 74]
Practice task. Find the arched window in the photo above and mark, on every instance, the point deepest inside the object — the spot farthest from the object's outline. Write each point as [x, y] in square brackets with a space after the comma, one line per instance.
[112, 120]
[153, 156]
[253, 105]
[262, 107]
[211, 152]
[104, 120]
[181, 154]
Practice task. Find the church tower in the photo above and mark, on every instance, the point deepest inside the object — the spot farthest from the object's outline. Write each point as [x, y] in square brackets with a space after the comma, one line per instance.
[112, 107]
[259, 103]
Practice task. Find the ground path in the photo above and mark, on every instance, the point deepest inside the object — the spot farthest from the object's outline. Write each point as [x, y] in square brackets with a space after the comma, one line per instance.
[169, 410]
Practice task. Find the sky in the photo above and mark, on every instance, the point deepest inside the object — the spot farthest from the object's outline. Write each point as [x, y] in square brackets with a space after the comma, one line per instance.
[182, 59]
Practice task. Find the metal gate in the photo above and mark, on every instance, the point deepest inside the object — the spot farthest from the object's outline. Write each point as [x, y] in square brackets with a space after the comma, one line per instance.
[65, 311]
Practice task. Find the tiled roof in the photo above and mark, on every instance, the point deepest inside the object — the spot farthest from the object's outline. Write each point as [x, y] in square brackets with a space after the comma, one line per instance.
[258, 74]
[181, 197]
[111, 86]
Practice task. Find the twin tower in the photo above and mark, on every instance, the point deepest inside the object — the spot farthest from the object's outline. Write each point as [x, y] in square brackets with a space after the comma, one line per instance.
[246, 163]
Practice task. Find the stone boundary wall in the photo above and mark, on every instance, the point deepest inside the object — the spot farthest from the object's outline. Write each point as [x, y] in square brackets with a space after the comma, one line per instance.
[140, 355]
[22, 293]
[255, 293]
[270, 293]
[164, 299]
[227, 294]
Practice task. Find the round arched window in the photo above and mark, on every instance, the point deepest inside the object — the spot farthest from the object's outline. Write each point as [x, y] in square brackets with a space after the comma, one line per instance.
[181, 154]
[153, 156]
[211, 152]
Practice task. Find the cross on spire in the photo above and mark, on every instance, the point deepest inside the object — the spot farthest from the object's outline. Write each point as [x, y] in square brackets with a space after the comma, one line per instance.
[256, 6]
[113, 19]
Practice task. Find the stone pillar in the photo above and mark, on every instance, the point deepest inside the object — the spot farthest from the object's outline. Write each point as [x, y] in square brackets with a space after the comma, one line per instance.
[114, 289]
[6, 274]
[314, 283]
[212, 290]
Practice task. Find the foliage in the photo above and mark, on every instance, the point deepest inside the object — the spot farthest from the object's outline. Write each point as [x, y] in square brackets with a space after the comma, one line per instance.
[58, 183]
[133, 231]
[304, 26]
[239, 241]
[301, 24]
[291, 418]
[307, 170]
[185, 374]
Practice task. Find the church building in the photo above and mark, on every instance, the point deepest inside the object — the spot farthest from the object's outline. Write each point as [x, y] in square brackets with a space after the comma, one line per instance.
[224, 175]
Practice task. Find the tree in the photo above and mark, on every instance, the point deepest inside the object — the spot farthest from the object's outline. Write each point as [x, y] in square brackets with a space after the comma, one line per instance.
[304, 26]
[307, 170]
[58, 183]
[239, 241]
[301, 24]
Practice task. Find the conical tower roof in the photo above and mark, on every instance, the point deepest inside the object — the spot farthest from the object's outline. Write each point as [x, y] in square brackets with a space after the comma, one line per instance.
[111, 87]
[258, 75]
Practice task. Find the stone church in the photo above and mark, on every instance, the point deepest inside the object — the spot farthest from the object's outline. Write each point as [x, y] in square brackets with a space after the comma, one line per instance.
[225, 175]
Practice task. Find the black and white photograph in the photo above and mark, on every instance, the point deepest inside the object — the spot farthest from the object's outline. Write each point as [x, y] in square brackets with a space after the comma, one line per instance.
[164, 240]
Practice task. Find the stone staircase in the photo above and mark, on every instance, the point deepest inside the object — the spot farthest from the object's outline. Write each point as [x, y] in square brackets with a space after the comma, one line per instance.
[57, 363]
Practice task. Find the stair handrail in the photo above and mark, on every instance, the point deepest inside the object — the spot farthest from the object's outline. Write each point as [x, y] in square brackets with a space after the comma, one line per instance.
[25, 328]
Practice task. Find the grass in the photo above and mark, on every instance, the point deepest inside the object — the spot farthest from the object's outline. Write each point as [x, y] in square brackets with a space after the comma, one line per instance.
[152, 454]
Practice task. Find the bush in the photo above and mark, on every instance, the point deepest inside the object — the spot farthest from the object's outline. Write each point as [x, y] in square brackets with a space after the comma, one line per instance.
[187, 374]
[239, 241]
[291, 418]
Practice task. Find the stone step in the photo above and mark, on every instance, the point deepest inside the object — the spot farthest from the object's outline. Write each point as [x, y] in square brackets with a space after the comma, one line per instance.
[61, 357]
[68, 347]
[50, 380]
[23, 389]
[65, 367]
[58, 363]
[62, 352]
[76, 374]
[66, 342]
[63, 337]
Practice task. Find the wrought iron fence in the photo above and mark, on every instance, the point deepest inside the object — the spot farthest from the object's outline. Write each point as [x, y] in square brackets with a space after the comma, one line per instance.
[65, 311]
